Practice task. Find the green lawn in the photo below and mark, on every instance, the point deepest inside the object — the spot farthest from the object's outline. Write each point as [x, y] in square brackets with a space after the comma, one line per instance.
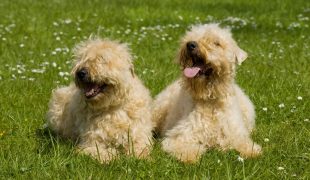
[36, 39]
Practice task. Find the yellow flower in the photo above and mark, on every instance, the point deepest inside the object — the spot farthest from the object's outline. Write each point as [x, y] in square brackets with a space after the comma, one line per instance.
[2, 133]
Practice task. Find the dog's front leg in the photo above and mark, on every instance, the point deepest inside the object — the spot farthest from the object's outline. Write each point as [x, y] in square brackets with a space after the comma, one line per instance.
[139, 149]
[98, 151]
[182, 140]
[236, 132]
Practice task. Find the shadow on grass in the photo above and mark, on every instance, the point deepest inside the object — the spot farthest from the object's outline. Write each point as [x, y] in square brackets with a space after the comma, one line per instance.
[49, 141]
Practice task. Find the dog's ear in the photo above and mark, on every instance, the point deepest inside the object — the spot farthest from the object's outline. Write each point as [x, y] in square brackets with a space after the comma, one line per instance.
[240, 55]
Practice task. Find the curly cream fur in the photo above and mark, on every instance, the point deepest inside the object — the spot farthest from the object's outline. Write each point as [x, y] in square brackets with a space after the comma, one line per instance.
[116, 120]
[195, 114]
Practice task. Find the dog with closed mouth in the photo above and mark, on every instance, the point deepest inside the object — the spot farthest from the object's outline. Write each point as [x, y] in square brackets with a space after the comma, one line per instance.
[205, 108]
[107, 109]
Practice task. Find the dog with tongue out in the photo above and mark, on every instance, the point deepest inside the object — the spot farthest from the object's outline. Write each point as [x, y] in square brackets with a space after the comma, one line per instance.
[205, 108]
[108, 109]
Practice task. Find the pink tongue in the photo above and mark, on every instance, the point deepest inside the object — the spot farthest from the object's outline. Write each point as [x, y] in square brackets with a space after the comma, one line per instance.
[191, 72]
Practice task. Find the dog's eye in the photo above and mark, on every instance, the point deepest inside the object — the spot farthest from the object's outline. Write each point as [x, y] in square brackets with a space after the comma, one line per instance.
[217, 43]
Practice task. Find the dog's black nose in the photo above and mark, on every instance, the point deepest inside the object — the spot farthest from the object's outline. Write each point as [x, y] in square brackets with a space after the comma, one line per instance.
[82, 74]
[191, 45]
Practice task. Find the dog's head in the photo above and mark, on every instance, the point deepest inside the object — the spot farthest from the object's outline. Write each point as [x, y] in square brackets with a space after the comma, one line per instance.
[208, 55]
[102, 71]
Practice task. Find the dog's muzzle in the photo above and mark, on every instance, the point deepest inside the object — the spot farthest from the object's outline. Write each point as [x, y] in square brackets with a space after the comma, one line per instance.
[193, 50]
[191, 46]
[198, 63]
[88, 87]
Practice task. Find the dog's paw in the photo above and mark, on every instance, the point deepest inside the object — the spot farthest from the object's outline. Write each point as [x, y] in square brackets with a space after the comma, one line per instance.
[187, 154]
[252, 151]
[188, 158]
[102, 155]
[143, 153]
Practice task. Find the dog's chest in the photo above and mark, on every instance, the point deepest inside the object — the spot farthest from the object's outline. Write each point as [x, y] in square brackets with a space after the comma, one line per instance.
[208, 124]
[107, 126]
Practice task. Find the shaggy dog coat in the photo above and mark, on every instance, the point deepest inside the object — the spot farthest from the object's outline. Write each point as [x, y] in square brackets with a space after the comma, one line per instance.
[107, 109]
[205, 108]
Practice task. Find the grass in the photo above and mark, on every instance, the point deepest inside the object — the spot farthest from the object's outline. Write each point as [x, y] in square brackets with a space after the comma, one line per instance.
[36, 38]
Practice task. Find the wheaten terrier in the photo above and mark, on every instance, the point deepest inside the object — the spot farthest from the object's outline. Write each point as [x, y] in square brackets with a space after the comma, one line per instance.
[107, 109]
[206, 108]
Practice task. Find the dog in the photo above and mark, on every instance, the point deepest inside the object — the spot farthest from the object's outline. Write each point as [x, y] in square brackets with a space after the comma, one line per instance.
[205, 108]
[107, 109]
